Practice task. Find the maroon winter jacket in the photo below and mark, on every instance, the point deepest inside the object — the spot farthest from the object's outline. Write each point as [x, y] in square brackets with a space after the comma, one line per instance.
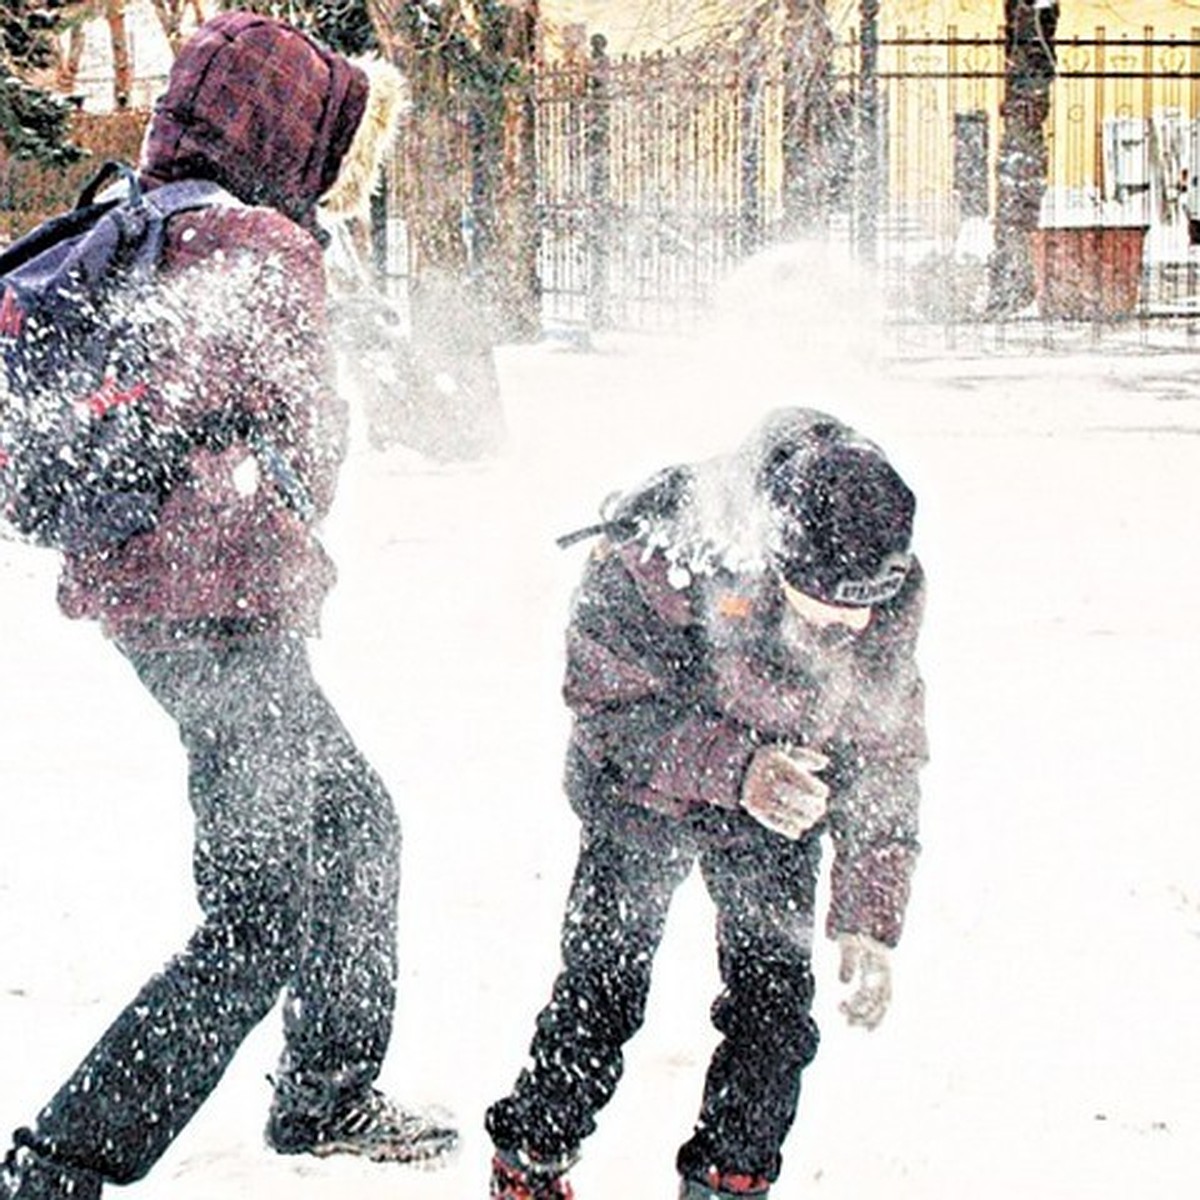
[238, 323]
[677, 676]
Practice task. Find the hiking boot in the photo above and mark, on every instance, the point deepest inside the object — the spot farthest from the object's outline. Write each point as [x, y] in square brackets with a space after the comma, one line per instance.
[728, 1186]
[371, 1126]
[516, 1176]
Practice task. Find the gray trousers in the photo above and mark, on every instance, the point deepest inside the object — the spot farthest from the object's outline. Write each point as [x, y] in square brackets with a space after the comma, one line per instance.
[296, 864]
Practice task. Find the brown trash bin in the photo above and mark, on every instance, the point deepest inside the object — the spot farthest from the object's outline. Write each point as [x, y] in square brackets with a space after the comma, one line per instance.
[1088, 272]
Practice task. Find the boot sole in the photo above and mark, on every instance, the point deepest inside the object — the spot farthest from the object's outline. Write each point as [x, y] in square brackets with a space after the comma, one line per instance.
[429, 1153]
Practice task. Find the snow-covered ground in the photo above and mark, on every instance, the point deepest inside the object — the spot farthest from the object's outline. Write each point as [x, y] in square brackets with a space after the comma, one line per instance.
[1042, 1042]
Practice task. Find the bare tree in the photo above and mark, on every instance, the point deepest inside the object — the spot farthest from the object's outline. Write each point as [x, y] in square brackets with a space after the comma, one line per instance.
[503, 180]
[171, 15]
[113, 14]
[470, 67]
[118, 36]
[66, 74]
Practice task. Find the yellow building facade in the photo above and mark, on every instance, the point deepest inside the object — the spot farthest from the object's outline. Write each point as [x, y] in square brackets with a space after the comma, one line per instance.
[640, 26]
[1122, 136]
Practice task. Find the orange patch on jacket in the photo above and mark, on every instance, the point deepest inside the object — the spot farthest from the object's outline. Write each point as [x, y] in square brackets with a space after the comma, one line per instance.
[732, 605]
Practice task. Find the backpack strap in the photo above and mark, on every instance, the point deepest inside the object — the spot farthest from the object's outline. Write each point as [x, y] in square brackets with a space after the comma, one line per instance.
[75, 221]
[566, 540]
[626, 516]
[123, 172]
[217, 431]
[165, 202]
[184, 194]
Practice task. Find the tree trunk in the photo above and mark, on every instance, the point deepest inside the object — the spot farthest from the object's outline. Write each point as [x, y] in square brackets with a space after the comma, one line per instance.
[504, 187]
[114, 14]
[1029, 67]
[67, 74]
[809, 120]
[453, 409]
[170, 18]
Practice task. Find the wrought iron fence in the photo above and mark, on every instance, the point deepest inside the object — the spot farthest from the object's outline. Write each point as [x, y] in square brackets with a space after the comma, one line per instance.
[641, 181]
[652, 181]
[657, 174]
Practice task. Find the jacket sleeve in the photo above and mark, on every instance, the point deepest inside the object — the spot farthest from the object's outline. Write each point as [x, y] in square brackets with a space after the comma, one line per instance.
[302, 410]
[638, 682]
[874, 809]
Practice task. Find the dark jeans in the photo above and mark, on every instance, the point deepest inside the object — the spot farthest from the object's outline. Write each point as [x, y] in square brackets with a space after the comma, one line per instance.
[630, 864]
[296, 865]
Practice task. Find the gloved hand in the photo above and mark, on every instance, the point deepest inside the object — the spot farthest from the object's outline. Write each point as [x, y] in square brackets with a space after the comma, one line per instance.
[865, 962]
[782, 791]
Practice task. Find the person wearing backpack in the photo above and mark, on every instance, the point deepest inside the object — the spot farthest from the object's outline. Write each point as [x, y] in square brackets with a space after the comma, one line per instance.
[296, 857]
[741, 671]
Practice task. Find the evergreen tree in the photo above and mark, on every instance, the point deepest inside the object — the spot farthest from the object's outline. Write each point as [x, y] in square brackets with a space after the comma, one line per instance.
[343, 25]
[34, 124]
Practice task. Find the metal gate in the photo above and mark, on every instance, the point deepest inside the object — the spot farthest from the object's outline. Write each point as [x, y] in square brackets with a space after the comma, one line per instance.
[653, 180]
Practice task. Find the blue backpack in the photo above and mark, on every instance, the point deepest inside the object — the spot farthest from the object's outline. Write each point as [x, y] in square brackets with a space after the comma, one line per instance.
[82, 464]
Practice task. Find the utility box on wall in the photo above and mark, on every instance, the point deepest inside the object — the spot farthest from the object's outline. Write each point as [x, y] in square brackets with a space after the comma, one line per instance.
[1088, 272]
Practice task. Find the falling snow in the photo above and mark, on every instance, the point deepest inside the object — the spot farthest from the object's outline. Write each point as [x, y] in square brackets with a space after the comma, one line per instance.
[1041, 1038]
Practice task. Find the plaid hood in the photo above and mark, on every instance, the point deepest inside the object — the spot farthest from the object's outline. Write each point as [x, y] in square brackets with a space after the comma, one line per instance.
[263, 109]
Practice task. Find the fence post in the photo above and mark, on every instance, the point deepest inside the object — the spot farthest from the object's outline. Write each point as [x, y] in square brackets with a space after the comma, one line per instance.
[378, 235]
[866, 200]
[596, 147]
[515, 270]
[750, 135]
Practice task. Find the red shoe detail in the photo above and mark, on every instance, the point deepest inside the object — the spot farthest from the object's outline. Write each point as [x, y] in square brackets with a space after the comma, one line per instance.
[511, 1182]
[736, 1183]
